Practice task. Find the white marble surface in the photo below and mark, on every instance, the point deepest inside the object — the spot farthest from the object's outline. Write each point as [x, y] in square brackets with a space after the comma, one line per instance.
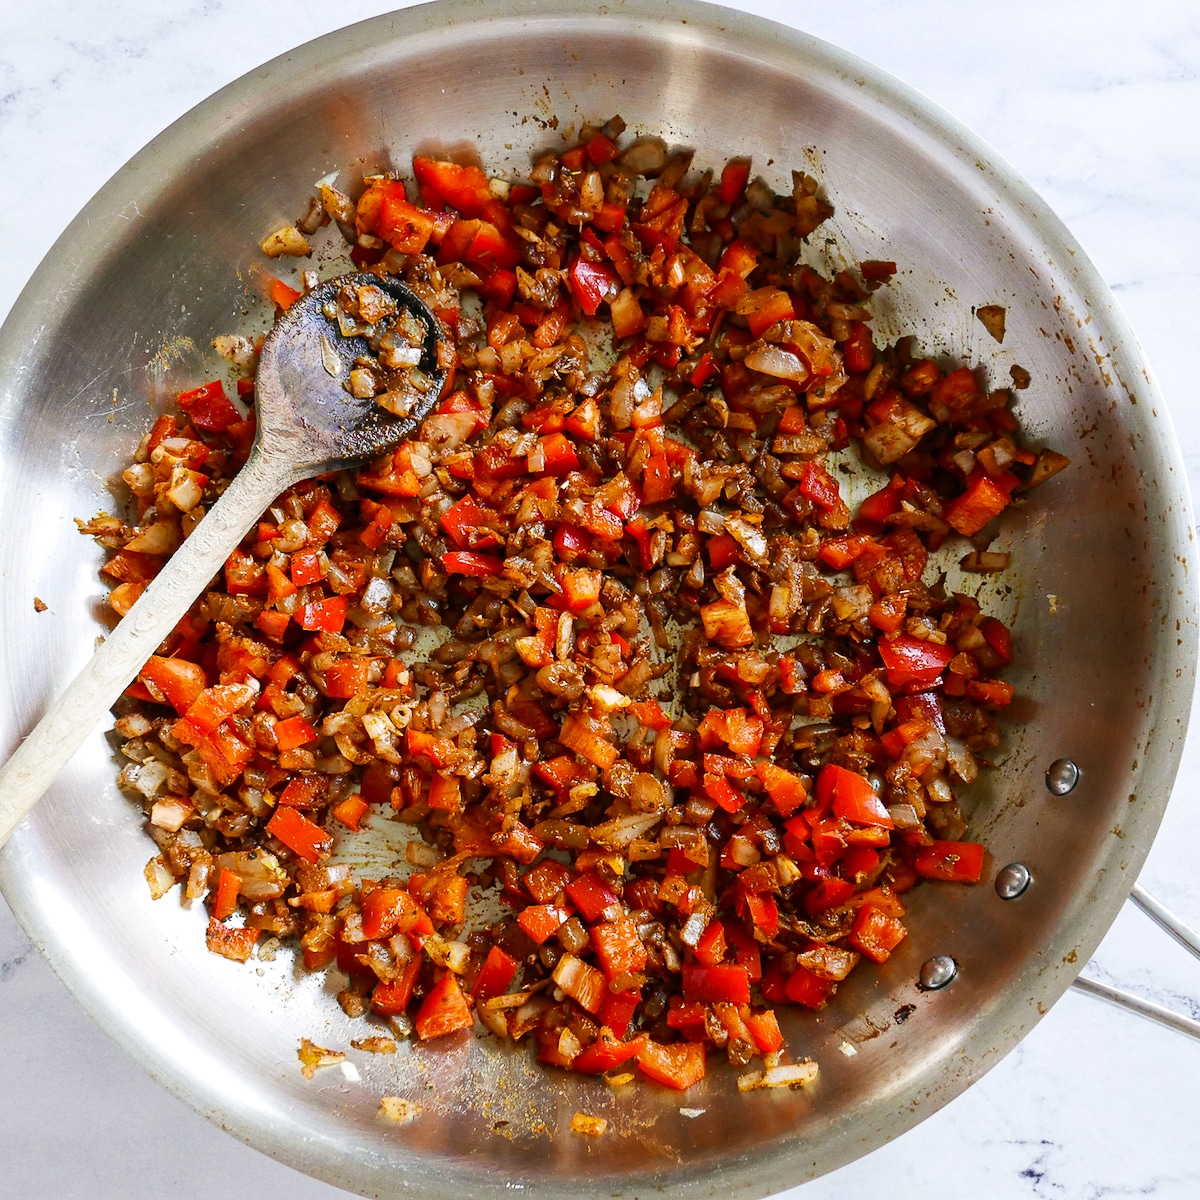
[1097, 104]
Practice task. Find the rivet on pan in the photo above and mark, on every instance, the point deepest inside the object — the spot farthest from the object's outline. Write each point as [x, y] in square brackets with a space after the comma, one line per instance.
[937, 972]
[1011, 881]
[1061, 777]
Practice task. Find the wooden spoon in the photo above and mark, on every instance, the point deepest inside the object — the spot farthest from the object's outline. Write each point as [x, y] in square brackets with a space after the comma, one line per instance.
[308, 423]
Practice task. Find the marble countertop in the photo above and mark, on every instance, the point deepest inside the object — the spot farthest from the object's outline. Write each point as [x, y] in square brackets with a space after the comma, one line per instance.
[1096, 103]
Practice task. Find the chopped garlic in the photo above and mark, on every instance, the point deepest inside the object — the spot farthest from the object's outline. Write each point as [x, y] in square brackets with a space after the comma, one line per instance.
[397, 1109]
[582, 1123]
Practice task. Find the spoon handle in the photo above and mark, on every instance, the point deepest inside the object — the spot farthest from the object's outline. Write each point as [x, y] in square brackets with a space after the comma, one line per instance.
[77, 711]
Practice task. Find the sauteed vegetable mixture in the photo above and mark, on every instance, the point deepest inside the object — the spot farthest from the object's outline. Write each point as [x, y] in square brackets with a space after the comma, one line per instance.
[611, 633]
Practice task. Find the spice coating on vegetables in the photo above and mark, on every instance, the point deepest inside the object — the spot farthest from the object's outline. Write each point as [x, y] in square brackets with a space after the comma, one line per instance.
[695, 717]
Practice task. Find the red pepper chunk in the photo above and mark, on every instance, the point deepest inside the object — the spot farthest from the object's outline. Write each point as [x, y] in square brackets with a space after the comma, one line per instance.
[283, 295]
[467, 562]
[553, 455]
[465, 188]
[912, 663]
[851, 797]
[606, 1053]
[209, 408]
[293, 732]
[678, 1066]
[803, 987]
[350, 811]
[429, 746]
[983, 500]
[764, 1029]
[734, 177]
[306, 568]
[445, 1010]
[226, 896]
[542, 921]
[406, 226]
[876, 933]
[951, 862]
[725, 981]
[591, 895]
[323, 616]
[819, 486]
[346, 677]
[391, 997]
[496, 974]
[235, 944]
[787, 792]
[300, 835]
[591, 284]
[173, 681]
[386, 911]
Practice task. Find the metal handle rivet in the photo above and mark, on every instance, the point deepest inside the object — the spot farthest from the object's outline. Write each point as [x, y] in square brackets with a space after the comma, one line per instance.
[1011, 881]
[1061, 777]
[937, 972]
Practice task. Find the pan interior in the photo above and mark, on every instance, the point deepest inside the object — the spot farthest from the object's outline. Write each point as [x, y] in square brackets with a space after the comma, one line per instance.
[120, 318]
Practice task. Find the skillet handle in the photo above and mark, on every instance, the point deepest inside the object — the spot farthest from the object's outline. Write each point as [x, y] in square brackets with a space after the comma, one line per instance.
[1184, 934]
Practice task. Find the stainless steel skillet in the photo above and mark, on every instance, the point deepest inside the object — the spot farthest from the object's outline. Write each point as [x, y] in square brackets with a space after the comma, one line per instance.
[1102, 687]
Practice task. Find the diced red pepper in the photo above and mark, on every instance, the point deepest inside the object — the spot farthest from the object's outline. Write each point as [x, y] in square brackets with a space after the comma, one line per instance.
[497, 973]
[391, 997]
[829, 893]
[787, 792]
[304, 838]
[328, 616]
[912, 663]
[226, 896]
[877, 269]
[983, 500]
[346, 677]
[173, 681]
[444, 1010]
[678, 1066]
[236, 944]
[876, 933]
[406, 226]
[840, 552]
[542, 921]
[991, 693]
[430, 746]
[283, 295]
[724, 981]
[617, 1010]
[209, 408]
[592, 283]
[576, 735]
[766, 307]
[555, 454]
[952, 862]
[468, 562]
[819, 486]
[734, 177]
[606, 1053]
[293, 732]
[591, 895]
[851, 797]
[350, 810]
[465, 188]
[387, 910]
[803, 987]
[722, 793]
